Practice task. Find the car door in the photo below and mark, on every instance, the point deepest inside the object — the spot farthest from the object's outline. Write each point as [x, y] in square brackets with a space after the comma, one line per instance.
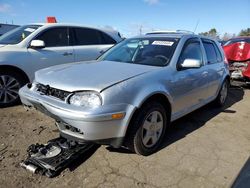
[189, 85]
[215, 67]
[56, 51]
[90, 43]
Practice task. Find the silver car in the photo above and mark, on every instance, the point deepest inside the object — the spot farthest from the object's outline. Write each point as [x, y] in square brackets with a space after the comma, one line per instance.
[29, 48]
[131, 94]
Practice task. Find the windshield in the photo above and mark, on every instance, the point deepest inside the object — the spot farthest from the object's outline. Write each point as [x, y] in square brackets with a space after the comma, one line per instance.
[155, 51]
[19, 34]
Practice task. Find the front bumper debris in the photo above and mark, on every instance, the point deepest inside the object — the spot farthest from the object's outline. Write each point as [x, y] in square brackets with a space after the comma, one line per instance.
[52, 158]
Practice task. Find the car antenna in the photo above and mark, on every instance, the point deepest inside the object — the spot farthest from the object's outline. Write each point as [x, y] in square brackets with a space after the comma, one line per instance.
[197, 23]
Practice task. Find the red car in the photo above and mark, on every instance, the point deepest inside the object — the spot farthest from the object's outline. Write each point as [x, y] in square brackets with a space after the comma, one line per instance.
[237, 51]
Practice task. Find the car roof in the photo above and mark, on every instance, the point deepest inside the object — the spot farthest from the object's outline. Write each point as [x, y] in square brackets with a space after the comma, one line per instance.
[112, 32]
[173, 34]
[167, 35]
[109, 30]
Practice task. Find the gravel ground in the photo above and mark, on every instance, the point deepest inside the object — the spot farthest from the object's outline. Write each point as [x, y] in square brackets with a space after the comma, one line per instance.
[207, 148]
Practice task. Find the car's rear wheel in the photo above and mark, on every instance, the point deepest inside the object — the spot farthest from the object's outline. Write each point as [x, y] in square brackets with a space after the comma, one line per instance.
[147, 129]
[222, 96]
[10, 83]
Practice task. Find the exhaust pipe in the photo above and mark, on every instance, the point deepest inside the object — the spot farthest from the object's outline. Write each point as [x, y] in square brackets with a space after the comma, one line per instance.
[29, 167]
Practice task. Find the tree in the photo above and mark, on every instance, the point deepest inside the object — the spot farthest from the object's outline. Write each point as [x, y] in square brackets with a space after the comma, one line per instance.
[211, 33]
[245, 32]
[226, 36]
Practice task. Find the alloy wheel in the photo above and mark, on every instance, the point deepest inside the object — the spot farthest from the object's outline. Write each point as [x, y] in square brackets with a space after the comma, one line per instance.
[152, 129]
[9, 88]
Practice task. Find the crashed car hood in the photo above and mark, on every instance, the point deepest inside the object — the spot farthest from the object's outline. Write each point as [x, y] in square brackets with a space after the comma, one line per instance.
[90, 75]
[239, 51]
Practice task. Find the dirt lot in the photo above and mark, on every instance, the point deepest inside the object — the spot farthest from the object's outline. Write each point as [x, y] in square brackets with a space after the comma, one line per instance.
[207, 148]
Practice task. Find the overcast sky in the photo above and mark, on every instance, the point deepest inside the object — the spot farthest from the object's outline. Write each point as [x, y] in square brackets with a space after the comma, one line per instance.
[128, 16]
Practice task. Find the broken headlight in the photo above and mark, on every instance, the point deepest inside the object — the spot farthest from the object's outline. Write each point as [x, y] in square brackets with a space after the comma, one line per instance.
[88, 99]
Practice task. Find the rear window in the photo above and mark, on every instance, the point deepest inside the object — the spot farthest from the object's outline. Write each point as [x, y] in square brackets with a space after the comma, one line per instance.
[232, 41]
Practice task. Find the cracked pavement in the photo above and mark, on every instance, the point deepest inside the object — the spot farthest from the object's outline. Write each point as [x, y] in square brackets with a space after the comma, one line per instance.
[207, 148]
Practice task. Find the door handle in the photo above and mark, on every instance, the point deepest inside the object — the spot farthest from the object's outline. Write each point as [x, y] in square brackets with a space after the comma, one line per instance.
[205, 73]
[67, 53]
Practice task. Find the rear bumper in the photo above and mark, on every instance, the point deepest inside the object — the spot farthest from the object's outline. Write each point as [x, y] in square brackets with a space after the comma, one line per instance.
[79, 123]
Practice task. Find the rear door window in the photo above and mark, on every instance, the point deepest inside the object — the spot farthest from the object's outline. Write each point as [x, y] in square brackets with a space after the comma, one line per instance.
[55, 37]
[212, 53]
[86, 36]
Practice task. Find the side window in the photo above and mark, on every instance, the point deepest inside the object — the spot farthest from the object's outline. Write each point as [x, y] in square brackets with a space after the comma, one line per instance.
[212, 52]
[105, 39]
[192, 50]
[55, 37]
[218, 53]
[86, 36]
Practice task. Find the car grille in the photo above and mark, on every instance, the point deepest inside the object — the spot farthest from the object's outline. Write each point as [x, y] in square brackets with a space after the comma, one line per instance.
[50, 91]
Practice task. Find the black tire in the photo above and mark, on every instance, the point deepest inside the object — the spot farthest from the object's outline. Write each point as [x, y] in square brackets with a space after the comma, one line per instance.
[219, 102]
[134, 138]
[20, 80]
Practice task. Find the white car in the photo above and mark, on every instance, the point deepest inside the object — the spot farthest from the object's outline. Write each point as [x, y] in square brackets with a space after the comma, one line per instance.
[29, 48]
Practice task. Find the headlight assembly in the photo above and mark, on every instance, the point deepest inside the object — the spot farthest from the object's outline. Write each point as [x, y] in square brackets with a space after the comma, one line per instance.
[86, 99]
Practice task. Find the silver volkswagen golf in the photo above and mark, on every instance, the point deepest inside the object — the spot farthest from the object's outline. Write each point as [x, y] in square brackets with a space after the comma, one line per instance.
[131, 94]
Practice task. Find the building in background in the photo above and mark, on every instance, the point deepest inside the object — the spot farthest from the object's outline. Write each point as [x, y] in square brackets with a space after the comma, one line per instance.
[6, 27]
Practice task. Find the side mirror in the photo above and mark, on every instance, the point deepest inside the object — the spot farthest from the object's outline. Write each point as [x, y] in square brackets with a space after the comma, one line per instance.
[37, 44]
[191, 63]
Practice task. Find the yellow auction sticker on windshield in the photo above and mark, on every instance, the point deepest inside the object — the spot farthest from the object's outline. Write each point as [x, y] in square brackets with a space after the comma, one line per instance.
[164, 43]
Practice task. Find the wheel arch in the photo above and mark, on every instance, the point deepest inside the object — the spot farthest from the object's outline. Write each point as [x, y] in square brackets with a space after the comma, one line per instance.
[226, 77]
[15, 69]
[158, 96]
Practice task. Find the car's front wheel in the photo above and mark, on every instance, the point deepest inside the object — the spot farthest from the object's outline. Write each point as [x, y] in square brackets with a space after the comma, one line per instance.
[10, 83]
[147, 129]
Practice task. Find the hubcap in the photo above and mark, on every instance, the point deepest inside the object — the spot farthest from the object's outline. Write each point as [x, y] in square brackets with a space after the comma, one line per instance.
[223, 93]
[9, 87]
[152, 129]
